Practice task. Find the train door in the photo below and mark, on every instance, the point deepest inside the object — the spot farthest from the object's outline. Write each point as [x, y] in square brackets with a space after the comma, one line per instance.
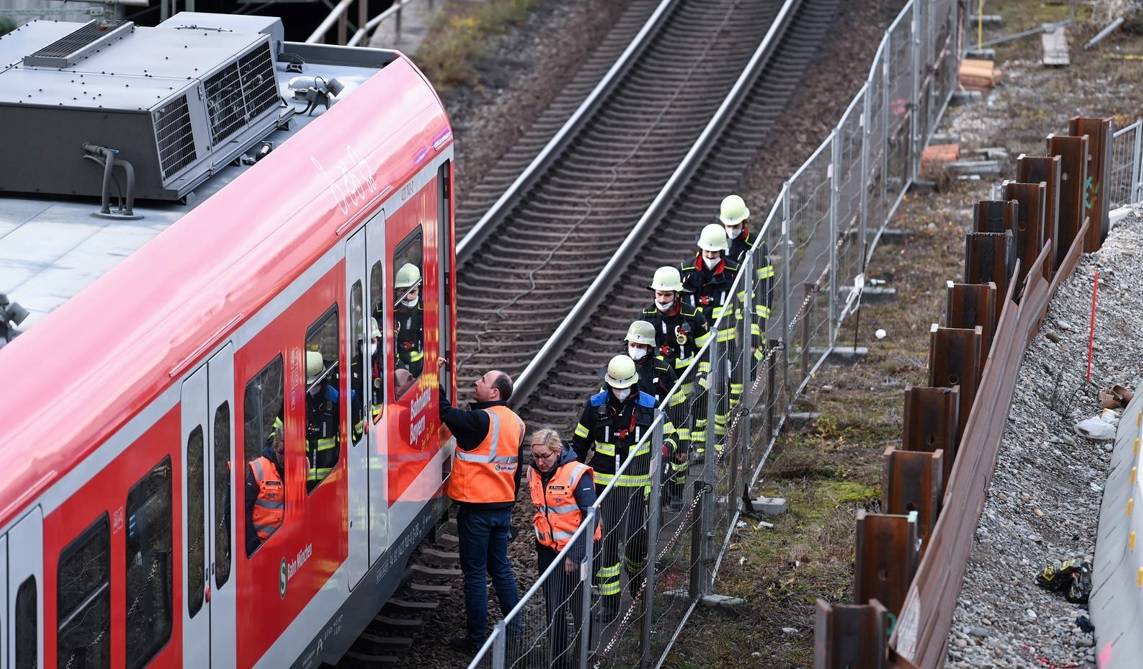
[208, 619]
[24, 648]
[379, 309]
[220, 513]
[356, 405]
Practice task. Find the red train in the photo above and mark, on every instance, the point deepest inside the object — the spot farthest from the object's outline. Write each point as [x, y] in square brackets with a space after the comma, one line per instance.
[130, 412]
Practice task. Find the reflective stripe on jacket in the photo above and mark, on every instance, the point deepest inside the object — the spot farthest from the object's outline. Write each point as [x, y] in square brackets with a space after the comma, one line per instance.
[557, 515]
[270, 507]
[487, 473]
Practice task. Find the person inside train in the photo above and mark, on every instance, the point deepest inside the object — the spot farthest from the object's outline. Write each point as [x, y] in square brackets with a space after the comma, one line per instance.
[265, 490]
[322, 418]
[409, 315]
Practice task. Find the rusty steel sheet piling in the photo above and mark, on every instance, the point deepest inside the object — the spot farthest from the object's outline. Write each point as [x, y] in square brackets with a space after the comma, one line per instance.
[994, 215]
[955, 360]
[970, 304]
[990, 256]
[913, 481]
[886, 558]
[1030, 220]
[1072, 152]
[1098, 131]
[846, 635]
[931, 423]
[1045, 169]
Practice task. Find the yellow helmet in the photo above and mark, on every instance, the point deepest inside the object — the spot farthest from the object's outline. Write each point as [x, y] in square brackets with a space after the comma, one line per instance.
[408, 276]
[314, 366]
[667, 278]
[641, 332]
[621, 372]
[733, 210]
[713, 238]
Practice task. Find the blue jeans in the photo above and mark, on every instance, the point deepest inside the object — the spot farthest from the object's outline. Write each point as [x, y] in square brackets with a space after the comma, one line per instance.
[484, 550]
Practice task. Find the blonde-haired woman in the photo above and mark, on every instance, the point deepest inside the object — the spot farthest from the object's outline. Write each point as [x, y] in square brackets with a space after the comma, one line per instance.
[562, 491]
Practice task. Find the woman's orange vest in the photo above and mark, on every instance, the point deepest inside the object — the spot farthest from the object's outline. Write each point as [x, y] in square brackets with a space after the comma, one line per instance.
[557, 514]
[487, 473]
[270, 507]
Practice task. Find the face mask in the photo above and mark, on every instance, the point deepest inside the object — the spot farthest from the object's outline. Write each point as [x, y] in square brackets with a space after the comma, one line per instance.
[621, 393]
[373, 348]
[710, 262]
[636, 353]
[411, 302]
[733, 232]
[664, 306]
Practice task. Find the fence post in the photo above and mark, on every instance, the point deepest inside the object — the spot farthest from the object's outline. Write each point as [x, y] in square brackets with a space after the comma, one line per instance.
[749, 370]
[499, 644]
[786, 318]
[363, 18]
[834, 203]
[915, 62]
[397, 34]
[585, 572]
[700, 574]
[866, 121]
[653, 514]
[1136, 186]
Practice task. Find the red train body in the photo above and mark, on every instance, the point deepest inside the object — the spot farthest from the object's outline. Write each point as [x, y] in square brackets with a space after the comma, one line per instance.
[130, 413]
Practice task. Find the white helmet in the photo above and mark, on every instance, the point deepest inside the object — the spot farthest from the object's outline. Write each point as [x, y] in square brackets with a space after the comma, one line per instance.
[733, 210]
[314, 366]
[667, 278]
[408, 276]
[621, 372]
[713, 238]
[374, 330]
[641, 332]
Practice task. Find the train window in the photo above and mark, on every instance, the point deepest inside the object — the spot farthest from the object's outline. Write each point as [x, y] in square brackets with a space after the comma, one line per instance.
[83, 599]
[377, 356]
[264, 450]
[323, 406]
[408, 312]
[357, 343]
[222, 495]
[27, 643]
[196, 552]
[149, 564]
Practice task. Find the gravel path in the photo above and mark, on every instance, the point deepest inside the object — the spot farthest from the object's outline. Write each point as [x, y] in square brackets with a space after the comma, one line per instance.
[1043, 501]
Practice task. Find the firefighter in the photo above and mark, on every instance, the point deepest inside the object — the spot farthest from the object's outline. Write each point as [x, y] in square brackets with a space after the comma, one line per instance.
[709, 282]
[735, 219]
[680, 331]
[612, 423]
[409, 315]
[265, 490]
[322, 406]
[657, 378]
[376, 362]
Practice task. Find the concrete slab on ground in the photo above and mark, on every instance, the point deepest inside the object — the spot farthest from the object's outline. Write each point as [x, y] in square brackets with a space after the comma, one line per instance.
[406, 32]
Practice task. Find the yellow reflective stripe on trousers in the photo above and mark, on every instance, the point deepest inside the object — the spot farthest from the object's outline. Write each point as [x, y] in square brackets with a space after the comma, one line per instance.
[765, 272]
[610, 571]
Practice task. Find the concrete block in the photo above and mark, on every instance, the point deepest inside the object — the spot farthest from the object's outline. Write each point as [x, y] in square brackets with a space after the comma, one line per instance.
[960, 98]
[872, 294]
[770, 506]
[722, 602]
[841, 354]
[981, 53]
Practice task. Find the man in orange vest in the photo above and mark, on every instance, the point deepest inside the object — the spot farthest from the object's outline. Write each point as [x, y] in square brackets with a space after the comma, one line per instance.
[484, 481]
[265, 490]
[562, 491]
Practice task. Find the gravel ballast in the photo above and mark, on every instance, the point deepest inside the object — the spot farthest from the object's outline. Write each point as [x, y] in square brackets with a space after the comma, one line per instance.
[1044, 498]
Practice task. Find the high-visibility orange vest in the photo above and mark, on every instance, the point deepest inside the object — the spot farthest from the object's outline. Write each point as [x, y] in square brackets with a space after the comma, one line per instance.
[487, 473]
[557, 515]
[270, 507]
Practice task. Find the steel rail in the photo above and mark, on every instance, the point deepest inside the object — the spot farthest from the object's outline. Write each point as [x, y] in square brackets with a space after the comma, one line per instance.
[540, 364]
[487, 223]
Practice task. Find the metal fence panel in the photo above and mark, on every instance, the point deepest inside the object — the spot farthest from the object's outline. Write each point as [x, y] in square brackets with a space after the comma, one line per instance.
[1122, 182]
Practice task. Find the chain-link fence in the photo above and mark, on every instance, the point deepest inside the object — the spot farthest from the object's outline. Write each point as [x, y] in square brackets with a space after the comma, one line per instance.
[1124, 182]
[668, 516]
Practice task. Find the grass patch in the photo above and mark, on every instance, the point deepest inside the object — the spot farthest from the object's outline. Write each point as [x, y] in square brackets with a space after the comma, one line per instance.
[458, 38]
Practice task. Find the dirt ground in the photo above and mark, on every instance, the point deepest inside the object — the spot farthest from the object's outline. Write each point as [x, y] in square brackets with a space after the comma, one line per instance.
[831, 467]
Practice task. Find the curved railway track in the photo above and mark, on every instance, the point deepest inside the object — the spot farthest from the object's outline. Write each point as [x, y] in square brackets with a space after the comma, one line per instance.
[541, 252]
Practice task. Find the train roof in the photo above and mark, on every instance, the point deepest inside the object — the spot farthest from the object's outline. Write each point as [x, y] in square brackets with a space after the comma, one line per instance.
[123, 308]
